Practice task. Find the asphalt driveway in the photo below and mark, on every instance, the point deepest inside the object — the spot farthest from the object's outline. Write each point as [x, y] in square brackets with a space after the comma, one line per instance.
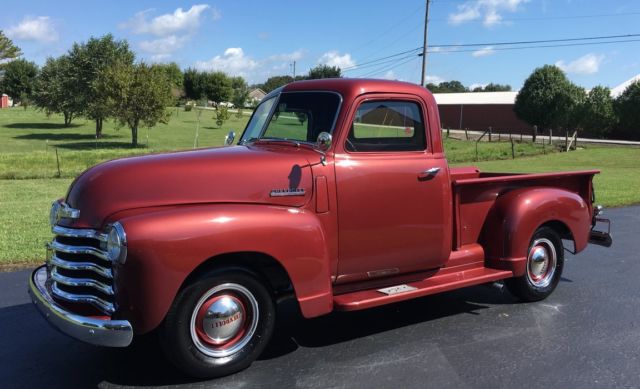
[587, 334]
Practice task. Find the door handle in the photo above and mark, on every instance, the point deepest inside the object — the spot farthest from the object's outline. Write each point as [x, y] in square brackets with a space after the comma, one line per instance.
[429, 173]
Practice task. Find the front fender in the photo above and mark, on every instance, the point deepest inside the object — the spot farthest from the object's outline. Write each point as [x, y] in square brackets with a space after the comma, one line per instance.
[166, 244]
[517, 214]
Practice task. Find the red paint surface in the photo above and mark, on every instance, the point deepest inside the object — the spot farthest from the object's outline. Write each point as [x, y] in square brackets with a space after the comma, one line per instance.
[366, 220]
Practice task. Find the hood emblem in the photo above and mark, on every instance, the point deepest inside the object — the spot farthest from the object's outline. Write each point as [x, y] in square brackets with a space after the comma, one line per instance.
[287, 192]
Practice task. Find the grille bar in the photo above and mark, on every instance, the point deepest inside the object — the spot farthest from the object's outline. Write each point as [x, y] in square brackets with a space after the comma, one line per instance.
[79, 233]
[97, 302]
[65, 248]
[88, 282]
[70, 265]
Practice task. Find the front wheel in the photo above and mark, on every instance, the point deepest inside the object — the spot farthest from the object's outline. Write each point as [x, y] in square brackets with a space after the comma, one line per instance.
[219, 324]
[545, 261]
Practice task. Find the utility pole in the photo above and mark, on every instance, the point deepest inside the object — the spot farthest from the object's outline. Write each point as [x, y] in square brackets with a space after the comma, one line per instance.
[294, 70]
[424, 45]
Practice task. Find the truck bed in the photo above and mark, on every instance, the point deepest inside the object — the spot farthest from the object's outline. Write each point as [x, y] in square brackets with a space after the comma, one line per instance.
[475, 192]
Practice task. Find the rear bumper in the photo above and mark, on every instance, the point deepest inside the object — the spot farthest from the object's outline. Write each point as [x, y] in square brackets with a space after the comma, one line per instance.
[110, 333]
[601, 238]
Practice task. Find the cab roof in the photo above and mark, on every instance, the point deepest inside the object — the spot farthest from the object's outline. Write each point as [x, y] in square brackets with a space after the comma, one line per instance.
[356, 86]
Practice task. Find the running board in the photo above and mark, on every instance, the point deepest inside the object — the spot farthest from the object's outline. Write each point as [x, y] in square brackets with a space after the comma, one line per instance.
[364, 299]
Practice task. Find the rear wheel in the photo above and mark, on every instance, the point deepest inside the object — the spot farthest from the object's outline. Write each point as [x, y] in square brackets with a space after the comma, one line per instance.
[545, 261]
[219, 324]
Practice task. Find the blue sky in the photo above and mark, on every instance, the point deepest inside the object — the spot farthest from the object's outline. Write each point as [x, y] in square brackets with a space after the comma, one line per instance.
[258, 39]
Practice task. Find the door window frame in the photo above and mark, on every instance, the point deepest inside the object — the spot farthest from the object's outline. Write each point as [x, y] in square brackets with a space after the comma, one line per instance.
[428, 151]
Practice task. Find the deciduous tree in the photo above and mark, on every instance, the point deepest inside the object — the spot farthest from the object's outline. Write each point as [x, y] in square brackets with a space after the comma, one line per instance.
[627, 106]
[19, 78]
[53, 91]
[8, 50]
[90, 60]
[324, 71]
[542, 101]
[598, 115]
[137, 95]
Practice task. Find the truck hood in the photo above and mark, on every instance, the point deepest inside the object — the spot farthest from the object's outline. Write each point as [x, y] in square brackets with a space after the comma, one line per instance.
[239, 174]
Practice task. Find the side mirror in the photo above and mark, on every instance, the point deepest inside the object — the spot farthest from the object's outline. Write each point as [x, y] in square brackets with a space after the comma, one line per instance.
[228, 140]
[324, 141]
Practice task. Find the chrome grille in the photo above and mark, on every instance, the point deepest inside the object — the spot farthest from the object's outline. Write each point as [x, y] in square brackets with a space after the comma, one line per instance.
[80, 271]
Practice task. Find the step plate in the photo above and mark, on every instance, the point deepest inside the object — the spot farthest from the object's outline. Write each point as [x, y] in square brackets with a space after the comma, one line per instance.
[397, 289]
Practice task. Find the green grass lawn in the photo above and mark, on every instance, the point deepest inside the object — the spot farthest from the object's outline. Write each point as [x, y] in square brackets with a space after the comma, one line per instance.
[28, 167]
[28, 141]
[618, 183]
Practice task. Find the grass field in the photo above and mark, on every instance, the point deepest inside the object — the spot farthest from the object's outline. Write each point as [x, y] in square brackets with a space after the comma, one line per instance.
[28, 167]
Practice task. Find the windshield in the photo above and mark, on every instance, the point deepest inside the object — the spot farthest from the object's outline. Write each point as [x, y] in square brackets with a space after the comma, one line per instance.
[298, 116]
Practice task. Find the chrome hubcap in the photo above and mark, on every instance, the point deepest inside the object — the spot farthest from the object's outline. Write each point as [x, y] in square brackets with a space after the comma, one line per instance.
[224, 320]
[541, 262]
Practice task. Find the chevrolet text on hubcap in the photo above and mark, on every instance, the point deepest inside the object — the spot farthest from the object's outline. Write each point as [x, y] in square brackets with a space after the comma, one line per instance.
[541, 263]
[224, 320]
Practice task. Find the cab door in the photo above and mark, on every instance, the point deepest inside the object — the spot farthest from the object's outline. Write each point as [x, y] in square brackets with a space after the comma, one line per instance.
[391, 190]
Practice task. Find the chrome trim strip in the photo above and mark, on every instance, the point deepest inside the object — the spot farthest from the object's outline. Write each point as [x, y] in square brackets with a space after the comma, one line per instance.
[65, 248]
[110, 333]
[79, 233]
[97, 302]
[88, 282]
[70, 265]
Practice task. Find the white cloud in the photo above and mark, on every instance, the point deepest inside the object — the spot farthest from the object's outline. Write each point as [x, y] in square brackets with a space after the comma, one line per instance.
[587, 64]
[37, 28]
[233, 62]
[489, 11]
[171, 23]
[333, 58]
[288, 57]
[433, 79]
[164, 46]
[390, 75]
[483, 52]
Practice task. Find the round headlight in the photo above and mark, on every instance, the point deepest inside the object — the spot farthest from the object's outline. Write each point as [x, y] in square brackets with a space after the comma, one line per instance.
[117, 243]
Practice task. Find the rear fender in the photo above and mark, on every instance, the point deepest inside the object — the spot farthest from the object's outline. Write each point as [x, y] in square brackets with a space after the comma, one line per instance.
[517, 214]
[166, 245]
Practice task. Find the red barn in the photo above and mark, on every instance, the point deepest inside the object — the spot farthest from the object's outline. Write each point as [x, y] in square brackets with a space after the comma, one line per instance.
[479, 111]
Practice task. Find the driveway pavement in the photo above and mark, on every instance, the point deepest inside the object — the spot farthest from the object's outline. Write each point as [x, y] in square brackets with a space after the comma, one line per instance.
[587, 334]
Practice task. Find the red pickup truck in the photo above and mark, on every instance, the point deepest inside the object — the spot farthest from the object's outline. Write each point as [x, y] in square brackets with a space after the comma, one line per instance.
[338, 194]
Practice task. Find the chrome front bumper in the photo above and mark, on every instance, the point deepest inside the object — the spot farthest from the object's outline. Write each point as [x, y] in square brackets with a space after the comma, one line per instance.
[110, 333]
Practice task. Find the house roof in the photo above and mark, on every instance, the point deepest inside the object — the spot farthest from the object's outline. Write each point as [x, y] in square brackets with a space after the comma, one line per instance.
[475, 98]
[257, 93]
[617, 91]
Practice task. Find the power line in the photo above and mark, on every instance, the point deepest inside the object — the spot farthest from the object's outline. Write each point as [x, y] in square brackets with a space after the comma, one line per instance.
[539, 18]
[381, 60]
[386, 69]
[385, 62]
[535, 47]
[537, 41]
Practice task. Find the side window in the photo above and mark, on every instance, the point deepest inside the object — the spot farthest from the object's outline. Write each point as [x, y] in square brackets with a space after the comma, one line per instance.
[387, 125]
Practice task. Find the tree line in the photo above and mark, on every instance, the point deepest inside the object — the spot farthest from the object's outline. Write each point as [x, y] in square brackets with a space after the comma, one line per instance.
[455, 86]
[98, 80]
[549, 101]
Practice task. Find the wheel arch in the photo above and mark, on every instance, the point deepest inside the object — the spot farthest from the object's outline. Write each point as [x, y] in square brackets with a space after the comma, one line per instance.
[517, 214]
[262, 266]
